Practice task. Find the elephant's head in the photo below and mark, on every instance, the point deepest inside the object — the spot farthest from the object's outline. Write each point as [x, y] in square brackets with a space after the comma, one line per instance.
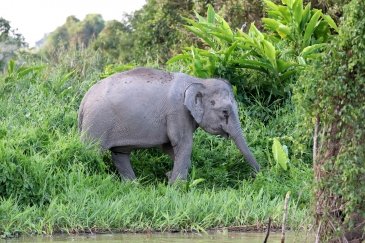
[214, 108]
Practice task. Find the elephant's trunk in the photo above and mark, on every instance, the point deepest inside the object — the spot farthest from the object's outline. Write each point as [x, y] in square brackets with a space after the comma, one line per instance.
[235, 132]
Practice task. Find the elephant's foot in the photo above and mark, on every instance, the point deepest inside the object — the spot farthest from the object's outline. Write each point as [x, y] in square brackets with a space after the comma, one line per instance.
[168, 174]
[174, 177]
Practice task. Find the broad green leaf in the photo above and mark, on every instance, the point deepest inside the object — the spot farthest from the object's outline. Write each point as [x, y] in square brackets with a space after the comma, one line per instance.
[284, 65]
[322, 32]
[312, 49]
[285, 14]
[11, 66]
[223, 36]
[284, 31]
[229, 51]
[277, 26]
[234, 89]
[245, 42]
[286, 75]
[210, 14]
[178, 58]
[202, 35]
[280, 156]
[254, 32]
[200, 18]
[301, 61]
[189, 21]
[26, 70]
[305, 16]
[311, 27]
[240, 33]
[271, 24]
[226, 28]
[270, 53]
[271, 5]
[330, 22]
[298, 12]
[253, 64]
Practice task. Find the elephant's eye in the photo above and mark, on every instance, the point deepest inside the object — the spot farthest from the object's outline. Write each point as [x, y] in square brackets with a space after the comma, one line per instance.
[225, 113]
[212, 102]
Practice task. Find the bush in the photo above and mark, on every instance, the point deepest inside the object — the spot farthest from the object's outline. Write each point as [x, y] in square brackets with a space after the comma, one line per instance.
[335, 84]
[295, 35]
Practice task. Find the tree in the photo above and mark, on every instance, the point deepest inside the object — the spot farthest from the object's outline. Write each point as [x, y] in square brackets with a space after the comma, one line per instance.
[74, 33]
[157, 30]
[88, 29]
[10, 42]
[333, 94]
[115, 41]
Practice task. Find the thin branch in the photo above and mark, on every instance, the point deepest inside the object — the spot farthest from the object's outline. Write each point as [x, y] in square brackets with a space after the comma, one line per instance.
[268, 230]
[287, 197]
[318, 236]
[315, 141]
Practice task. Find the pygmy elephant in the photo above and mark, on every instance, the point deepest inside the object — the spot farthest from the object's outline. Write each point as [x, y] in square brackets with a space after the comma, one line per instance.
[144, 108]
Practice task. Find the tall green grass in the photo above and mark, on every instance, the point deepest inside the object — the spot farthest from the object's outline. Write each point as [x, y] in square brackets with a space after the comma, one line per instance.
[100, 203]
[50, 181]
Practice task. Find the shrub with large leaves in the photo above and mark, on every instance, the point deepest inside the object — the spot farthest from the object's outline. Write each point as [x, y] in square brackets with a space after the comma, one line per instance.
[294, 35]
[306, 30]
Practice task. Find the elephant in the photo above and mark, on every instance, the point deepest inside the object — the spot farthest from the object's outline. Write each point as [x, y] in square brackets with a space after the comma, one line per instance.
[145, 107]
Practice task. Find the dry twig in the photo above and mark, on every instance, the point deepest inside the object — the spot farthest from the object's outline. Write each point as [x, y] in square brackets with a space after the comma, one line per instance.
[287, 197]
[268, 230]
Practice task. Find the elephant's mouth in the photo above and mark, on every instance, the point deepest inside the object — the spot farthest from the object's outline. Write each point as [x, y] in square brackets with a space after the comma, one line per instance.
[223, 133]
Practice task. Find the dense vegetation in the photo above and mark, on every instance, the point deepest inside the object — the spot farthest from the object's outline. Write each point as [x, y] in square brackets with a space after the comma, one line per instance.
[339, 158]
[50, 181]
[45, 167]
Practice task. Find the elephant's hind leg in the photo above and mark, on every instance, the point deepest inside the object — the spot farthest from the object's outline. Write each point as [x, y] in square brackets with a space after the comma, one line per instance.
[123, 164]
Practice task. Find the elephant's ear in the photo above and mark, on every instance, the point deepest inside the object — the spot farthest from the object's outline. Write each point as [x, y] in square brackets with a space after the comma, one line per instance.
[193, 101]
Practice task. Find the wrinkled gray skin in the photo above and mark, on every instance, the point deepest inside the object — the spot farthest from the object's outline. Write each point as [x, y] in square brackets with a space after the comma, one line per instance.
[145, 108]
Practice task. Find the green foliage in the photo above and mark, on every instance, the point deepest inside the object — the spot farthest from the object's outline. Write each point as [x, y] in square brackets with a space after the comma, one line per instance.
[263, 55]
[101, 203]
[149, 35]
[50, 181]
[303, 33]
[305, 29]
[280, 154]
[47, 175]
[73, 34]
[115, 41]
[238, 13]
[13, 72]
[335, 84]
[157, 33]
[39, 141]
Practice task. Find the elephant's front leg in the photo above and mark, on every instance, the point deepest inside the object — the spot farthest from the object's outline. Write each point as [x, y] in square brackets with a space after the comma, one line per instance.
[169, 150]
[182, 162]
[180, 129]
